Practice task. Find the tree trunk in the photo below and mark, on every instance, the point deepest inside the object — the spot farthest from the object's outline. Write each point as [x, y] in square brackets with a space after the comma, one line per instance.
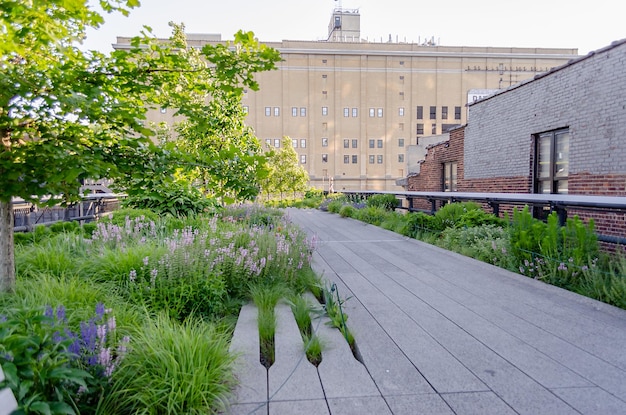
[7, 257]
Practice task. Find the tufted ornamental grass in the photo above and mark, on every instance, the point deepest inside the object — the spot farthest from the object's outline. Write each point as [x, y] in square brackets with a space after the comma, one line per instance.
[173, 368]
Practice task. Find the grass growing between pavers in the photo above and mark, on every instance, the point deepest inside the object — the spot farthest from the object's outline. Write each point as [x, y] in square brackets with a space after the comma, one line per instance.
[302, 310]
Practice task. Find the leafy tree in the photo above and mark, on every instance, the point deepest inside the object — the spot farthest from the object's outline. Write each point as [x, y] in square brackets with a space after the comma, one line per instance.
[285, 174]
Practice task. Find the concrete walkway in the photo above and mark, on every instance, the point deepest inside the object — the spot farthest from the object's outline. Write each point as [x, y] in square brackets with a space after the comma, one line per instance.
[440, 333]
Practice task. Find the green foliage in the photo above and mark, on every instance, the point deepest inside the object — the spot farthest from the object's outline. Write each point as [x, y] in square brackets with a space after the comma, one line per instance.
[181, 368]
[265, 297]
[488, 243]
[121, 216]
[36, 366]
[385, 201]
[450, 215]
[478, 217]
[333, 305]
[347, 211]
[373, 215]
[395, 221]
[285, 172]
[418, 223]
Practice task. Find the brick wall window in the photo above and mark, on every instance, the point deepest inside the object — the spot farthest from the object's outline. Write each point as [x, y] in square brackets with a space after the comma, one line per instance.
[324, 158]
[355, 112]
[294, 142]
[324, 111]
[400, 142]
[355, 159]
[379, 159]
[346, 159]
[433, 113]
[294, 111]
[372, 112]
[324, 142]
[346, 112]
[379, 143]
[457, 113]
[372, 159]
[449, 177]
[302, 158]
[419, 129]
[552, 161]
[401, 112]
[380, 112]
[303, 112]
[444, 113]
[401, 158]
[355, 143]
[268, 111]
[303, 143]
[371, 143]
[276, 112]
[277, 142]
[346, 143]
[433, 129]
[420, 112]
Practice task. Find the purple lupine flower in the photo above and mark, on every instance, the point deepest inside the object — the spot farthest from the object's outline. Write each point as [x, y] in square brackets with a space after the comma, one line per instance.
[133, 275]
[49, 312]
[100, 310]
[145, 261]
[562, 267]
[584, 268]
[102, 333]
[111, 324]
[61, 313]
[89, 333]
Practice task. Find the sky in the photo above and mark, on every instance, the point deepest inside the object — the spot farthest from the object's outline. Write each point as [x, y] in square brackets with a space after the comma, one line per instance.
[583, 25]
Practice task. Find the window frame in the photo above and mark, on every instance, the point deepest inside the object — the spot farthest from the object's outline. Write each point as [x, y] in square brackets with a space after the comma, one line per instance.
[449, 176]
[553, 179]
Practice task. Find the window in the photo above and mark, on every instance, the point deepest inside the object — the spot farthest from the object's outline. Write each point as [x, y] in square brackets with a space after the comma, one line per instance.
[457, 113]
[400, 158]
[246, 109]
[268, 141]
[302, 111]
[324, 126]
[355, 143]
[449, 177]
[400, 142]
[294, 142]
[324, 142]
[346, 112]
[302, 158]
[372, 159]
[372, 143]
[372, 112]
[402, 77]
[379, 143]
[355, 112]
[268, 111]
[277, 142]
[379, 159]
[324, 60]
[303, 143]
[346, 159]
[433, 113]
[324, 158]
[346, 143]
[420, 113]
[420, 129]
[355, 159]
[324, 94]
[380, 112]
[276, 112]
[324, 111]
[294, 111]
[401, 111]
[324, 76]
[552, 161]
[402, 96]
[444, 113]
[401, 62]
[433, 129]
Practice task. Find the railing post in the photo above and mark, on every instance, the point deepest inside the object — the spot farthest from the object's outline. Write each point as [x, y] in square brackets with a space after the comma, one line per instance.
[433, 206]
[495, 207]
[561, 213]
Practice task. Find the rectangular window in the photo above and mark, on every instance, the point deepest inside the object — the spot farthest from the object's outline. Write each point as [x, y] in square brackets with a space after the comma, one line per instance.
[379, 159]
[449, 177]
[324, 158]
[457, 113]
[294, 142]
[302, 158]
[355, 143]
[346, 159]
[433, 129]
[433, 113]
[372, 112]
[324, 142]
[402, 96]
[246, 109]
[276, 112]
[325, 126]
[324, 111]
[379, 143]
[354, 159]
[420, 113]
[380, 112]
[294, 111]
[268, 111]
[400, 158]
[302, 111]
[324, 76]
[552, 162]
[401, 111]
[372, 159]
[346, 112]
[268, 141]
[277, 142]
[372, 143]
[346, 143]
[444, 113]
[420, 129]
[303, 143]
[324, 94]
[355, 112]
[400, 142]
[402, 77]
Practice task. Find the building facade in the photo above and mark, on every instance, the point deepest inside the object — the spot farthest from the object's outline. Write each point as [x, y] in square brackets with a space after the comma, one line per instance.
[353, 107]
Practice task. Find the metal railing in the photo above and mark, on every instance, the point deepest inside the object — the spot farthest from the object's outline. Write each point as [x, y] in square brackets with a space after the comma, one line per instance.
[28, 215]
[559, 203]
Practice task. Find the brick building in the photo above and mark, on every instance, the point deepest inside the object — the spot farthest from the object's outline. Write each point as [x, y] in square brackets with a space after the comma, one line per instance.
[561, 132]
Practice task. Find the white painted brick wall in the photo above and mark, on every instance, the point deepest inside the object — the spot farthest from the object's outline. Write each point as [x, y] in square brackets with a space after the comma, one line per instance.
[588, 96]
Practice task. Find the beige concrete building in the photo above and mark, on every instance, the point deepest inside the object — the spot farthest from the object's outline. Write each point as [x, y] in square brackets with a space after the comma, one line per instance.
[353, 107]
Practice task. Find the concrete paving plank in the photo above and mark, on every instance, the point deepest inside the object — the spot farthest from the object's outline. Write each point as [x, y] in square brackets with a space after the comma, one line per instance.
[418, 404]
[358, 406]
[592, 401]
[250, 373]
[299, 407]
[292, 375]
[477, 403]
[247, 409]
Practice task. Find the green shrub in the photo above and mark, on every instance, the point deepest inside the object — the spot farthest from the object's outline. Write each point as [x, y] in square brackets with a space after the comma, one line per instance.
[450, 215]
[335, 205]
[120, 216]
[478, 217]
[88, 229]
[372, 215]
[394, 221]
[385, 201]
[60, 227]
[488, 243]
[347, 211]
[418, 223]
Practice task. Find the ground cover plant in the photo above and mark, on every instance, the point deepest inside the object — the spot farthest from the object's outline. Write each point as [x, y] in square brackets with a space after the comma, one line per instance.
[566, 256]
[166, 292]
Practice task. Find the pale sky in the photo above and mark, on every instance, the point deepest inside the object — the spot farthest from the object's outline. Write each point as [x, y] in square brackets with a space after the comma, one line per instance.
[583, 24]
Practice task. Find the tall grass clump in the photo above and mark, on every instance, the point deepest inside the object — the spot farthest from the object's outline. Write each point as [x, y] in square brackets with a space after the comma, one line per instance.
[265, 297]
[384, 201]
[173, 368]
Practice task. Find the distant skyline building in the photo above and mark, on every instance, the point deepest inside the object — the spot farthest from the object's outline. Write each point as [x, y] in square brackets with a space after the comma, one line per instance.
[352, 107]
